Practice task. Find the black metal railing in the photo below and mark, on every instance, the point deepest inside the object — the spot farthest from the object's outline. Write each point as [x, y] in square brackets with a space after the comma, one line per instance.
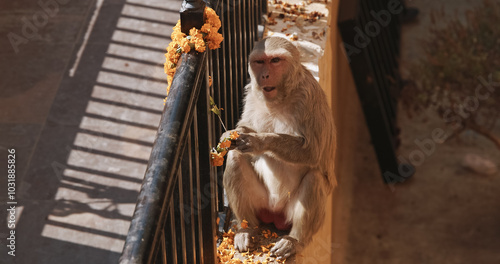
[370, 31]
[181, 195]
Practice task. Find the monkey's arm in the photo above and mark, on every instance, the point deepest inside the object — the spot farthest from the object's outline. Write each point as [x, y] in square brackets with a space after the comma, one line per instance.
[244, 129]
[294, 149]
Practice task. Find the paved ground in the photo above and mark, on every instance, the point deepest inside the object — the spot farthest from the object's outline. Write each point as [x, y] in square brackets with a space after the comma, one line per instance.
[82, 141]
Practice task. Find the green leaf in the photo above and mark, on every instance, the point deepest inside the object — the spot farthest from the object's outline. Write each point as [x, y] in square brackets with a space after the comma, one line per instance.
[215, 110]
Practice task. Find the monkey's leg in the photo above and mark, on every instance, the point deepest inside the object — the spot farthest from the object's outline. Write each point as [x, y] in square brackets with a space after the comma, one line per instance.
[306, 209]
[245, 194]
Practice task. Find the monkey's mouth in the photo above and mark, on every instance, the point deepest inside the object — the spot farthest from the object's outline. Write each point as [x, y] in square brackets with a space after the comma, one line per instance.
[268, 89]
[269, 92]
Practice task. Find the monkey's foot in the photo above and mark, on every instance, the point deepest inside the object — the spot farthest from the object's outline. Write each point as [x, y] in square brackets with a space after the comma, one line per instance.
[286, 247]
[243, 239]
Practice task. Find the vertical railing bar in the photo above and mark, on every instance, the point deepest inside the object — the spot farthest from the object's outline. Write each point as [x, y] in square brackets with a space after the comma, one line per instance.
[217, 83]
[222, 57]
[258, 17]
[245, 48]
[254, 18]
[198, 189]
[249, 21]
[207, 173]
[234, 59]
[217, 90]
[191, 188]
[230, 61]
[168, 234]
[181, 212]
[197, 192]
[222, 66]
[237, 55]
[163, 249]
[173, 239]
[187, 203]
[241, 60]
[210, 92]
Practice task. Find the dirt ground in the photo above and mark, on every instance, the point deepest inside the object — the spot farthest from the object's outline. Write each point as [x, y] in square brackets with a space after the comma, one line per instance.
[444, 213]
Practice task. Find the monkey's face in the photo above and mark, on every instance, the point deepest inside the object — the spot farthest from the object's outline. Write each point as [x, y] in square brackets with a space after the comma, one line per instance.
[269, 71]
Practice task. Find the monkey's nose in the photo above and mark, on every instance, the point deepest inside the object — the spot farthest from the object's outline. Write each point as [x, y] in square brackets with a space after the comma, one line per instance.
[266, 76]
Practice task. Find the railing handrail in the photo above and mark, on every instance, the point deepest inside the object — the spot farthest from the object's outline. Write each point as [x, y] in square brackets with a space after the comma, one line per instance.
[161, 173]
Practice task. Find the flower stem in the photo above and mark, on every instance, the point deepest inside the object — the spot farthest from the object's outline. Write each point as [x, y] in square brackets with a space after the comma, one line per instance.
[222, 123]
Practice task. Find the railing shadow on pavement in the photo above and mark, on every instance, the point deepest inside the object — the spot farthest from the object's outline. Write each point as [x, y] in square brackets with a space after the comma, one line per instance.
[85, 175]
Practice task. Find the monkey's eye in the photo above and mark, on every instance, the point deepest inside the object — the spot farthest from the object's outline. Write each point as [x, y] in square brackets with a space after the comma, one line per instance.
[274, 60]
[259, 61]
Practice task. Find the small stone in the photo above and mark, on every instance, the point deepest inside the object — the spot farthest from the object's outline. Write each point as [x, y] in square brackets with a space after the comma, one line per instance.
[479, 164]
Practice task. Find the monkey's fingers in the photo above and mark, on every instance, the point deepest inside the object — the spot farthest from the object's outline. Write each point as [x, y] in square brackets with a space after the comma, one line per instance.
[245, 148]
[245, 143]
[285, 248]
[243, 241]
[226, 134]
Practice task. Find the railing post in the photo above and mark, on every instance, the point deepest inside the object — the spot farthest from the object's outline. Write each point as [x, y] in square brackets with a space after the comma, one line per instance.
[192, 15]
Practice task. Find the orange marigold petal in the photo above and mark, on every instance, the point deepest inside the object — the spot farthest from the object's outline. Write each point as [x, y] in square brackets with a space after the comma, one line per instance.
[225, 144]
[244, 224]
[234, 135]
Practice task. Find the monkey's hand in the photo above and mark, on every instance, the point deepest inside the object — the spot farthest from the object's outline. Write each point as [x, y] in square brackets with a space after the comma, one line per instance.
[243, 240]
[249, 143]
[239, 129]
[227, 134]
[286, 247]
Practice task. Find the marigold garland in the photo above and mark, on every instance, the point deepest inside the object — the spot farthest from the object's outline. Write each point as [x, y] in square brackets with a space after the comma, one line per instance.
[217, 154]
[198, 39]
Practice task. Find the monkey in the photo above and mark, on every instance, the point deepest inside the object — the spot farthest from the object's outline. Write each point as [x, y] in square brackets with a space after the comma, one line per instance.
[280, 170]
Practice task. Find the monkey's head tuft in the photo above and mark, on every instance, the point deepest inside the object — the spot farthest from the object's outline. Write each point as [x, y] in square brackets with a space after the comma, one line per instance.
[272, 63]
